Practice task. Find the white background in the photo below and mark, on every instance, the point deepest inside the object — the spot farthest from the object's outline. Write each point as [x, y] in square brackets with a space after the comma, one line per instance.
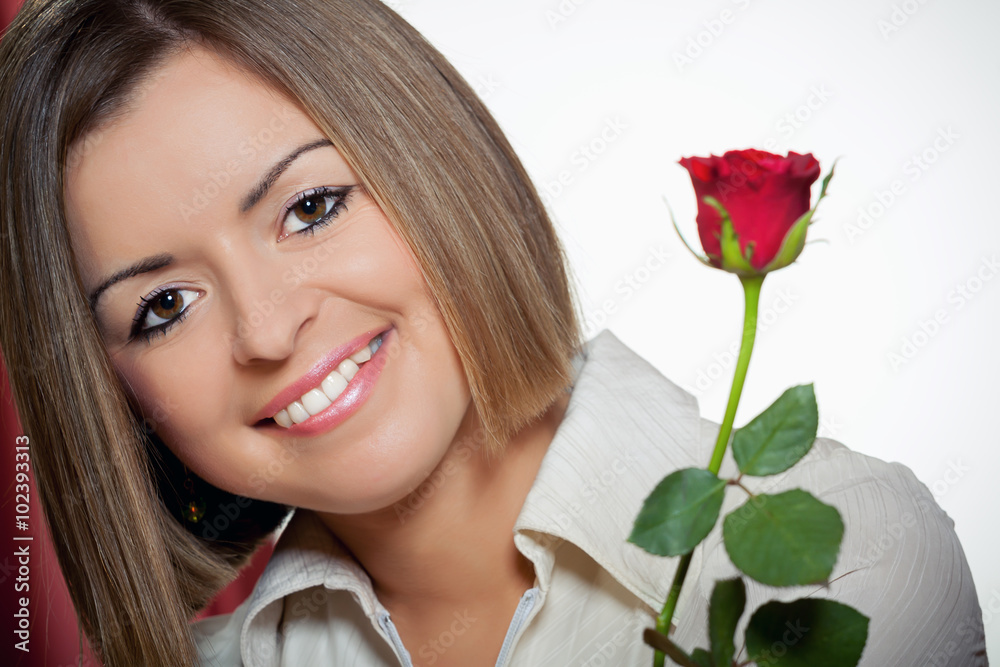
[877, 82]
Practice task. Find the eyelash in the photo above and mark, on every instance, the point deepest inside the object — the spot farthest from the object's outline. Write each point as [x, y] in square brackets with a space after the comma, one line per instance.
[339, 195]
[145, 303]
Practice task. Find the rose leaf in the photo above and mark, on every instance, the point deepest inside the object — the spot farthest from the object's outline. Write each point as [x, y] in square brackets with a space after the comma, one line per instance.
[787, 539]
[679, 513]
[778, 437]
[725, 608]
[811, 632]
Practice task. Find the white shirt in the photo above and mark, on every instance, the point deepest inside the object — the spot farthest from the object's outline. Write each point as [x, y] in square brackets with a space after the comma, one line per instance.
[626, 427]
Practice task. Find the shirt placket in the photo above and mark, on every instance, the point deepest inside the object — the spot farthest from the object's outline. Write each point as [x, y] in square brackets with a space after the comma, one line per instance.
[522, 614]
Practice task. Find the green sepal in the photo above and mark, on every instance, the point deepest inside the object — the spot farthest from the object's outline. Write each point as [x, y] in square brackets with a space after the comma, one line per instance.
[725, 608]
[733, 259]
[787, 539]
[811, 632]
[826, 183]
[703, 259]
[795, 239]
[792, 245]
[780, 436]
[679, 513]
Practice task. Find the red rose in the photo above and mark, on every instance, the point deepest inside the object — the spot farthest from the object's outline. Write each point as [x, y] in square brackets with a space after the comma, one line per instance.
[764, 195]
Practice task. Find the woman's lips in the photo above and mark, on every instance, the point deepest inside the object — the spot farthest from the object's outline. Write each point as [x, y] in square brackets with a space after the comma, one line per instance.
[336, 386]
[318, 399]
[349, 401]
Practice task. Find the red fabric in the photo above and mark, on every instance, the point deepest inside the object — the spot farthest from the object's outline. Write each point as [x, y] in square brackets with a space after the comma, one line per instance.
[7, 10]
[54, 637]
[233, 595]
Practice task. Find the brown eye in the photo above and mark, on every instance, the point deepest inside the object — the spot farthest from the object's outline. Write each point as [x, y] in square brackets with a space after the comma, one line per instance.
[168, 304]
[312, 209]
[160, 310]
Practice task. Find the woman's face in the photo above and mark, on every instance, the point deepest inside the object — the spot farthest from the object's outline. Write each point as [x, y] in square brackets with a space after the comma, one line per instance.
[234, 262]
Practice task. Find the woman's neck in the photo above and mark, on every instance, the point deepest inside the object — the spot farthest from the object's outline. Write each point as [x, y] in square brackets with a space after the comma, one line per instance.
[451, 540]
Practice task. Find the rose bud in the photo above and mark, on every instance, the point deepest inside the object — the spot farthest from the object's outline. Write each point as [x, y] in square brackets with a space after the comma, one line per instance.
[753, 208]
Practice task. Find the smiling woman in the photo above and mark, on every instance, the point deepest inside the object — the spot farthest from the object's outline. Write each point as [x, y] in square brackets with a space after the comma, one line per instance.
[294, 293]
[286, 262]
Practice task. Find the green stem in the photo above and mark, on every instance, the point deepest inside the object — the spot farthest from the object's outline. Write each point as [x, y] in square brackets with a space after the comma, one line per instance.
[751, 293]
[667, 615]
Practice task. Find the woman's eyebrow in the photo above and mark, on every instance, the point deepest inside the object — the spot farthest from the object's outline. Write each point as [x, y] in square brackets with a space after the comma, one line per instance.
[258, 191]
[146, 265]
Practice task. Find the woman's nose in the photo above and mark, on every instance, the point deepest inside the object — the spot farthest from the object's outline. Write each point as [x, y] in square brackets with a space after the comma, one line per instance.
[268, 316]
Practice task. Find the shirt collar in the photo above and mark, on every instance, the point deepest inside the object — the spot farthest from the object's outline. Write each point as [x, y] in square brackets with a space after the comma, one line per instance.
[625, 425]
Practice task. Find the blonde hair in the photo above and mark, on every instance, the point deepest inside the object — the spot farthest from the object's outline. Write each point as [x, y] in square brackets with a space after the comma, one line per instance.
[422, 144]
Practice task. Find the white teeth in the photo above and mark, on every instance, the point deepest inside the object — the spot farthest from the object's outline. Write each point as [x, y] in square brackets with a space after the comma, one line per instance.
[283, 419]
[315, 402]
[362, 355]
[297, 412]
[333, 385]
[347, 368]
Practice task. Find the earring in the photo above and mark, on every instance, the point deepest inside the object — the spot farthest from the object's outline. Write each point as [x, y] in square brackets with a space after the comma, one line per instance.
[194, 505]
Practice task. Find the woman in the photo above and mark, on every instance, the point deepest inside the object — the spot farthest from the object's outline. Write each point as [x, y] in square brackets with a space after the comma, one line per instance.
[284, 254]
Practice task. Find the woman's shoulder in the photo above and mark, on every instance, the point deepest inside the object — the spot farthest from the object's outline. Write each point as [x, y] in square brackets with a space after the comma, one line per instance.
[900, 562]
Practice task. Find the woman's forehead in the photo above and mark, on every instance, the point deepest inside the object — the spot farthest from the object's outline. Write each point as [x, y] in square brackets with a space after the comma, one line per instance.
[197, 134]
